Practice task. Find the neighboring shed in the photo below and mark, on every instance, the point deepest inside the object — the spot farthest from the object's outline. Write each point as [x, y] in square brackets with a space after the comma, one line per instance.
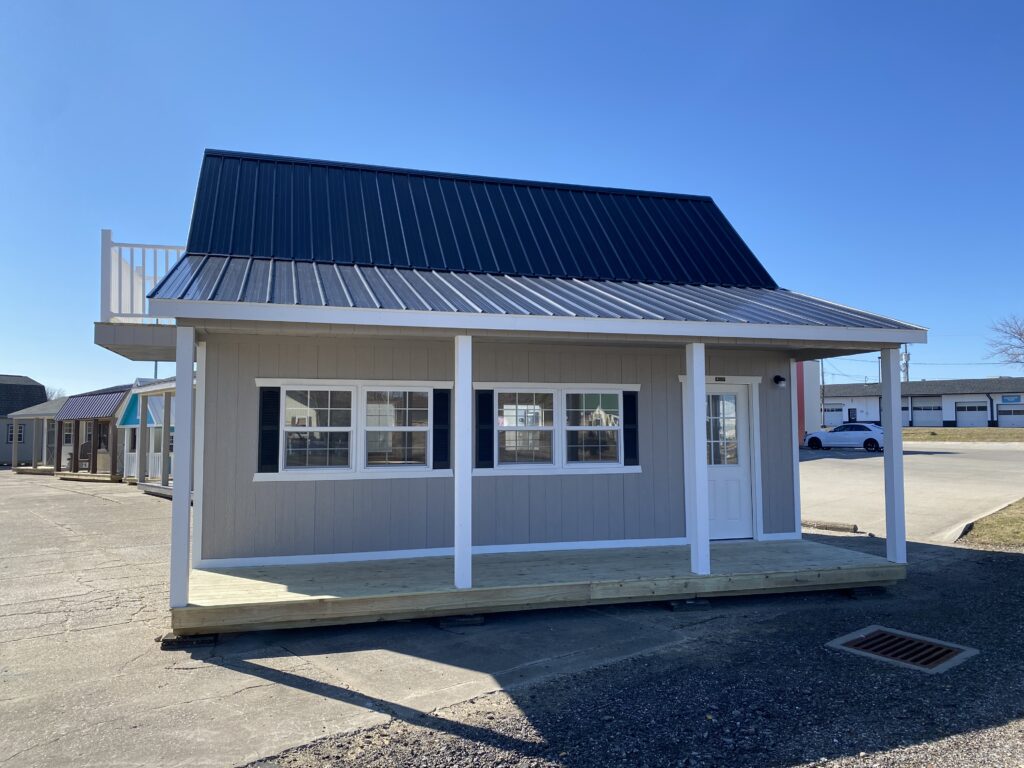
[89, 436]
[149, 442]
[17, 393]
[39, 421]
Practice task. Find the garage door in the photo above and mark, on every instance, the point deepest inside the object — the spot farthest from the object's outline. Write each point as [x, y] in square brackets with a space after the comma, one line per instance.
[1011, 415]
[973, 414]
[927, 412]
[833, 414]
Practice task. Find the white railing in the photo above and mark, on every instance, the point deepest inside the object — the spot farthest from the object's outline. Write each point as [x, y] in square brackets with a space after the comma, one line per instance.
[128, 271]
[131, 466]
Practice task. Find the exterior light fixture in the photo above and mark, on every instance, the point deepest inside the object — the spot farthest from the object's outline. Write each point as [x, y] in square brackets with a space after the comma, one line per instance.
[780, 381]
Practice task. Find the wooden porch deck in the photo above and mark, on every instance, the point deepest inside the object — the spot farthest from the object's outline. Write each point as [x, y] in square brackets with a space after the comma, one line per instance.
[88, 477]
[272, 597]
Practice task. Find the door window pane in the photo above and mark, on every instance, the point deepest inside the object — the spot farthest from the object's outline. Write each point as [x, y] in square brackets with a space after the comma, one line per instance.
[722, 430]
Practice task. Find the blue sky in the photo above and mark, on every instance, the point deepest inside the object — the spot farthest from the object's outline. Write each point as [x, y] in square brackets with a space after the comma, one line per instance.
[870, 153]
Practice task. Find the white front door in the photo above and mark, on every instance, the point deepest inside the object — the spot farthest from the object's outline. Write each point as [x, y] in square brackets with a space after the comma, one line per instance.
[729, 462]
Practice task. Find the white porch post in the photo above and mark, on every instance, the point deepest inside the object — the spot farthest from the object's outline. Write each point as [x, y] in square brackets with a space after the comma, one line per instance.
[199, 452]
[892, 424]
[695, 461]
[462, 423]
[181, 498]
[142, 441]
[165, 442]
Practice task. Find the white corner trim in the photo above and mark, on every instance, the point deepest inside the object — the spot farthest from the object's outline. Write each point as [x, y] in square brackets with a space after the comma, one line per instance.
[293, 475]
[796, 439]
[401, 554]
[199, 469]
[757, 489]
[467, 321]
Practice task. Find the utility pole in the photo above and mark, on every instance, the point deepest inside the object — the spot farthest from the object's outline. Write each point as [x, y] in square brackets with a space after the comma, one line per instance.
[905, 363]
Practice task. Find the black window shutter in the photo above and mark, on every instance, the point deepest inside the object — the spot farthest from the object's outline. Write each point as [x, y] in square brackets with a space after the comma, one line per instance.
[270, 427]
[485, 428]
[442, 429]
[630, 429]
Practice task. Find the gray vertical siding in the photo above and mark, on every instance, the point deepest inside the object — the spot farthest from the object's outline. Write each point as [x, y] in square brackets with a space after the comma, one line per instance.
[242, 518]
[547, 508]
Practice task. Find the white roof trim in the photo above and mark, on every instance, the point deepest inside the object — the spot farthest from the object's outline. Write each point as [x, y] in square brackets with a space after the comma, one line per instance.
[295, 313]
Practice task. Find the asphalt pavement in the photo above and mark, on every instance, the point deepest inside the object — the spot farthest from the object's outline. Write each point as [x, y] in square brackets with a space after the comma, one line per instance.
[948, 485]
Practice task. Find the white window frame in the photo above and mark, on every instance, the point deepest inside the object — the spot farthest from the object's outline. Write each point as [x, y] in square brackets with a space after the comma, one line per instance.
[560, 465]
[365, 428]
[358, 468]
[10, 433]
[284, 428]
[556, 420]
[566, 428]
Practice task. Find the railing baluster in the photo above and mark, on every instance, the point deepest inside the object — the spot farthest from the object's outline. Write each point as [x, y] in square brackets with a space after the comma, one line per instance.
[119, 264]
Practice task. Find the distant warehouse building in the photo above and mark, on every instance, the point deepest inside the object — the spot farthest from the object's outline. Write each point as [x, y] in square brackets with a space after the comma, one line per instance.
[994, 402]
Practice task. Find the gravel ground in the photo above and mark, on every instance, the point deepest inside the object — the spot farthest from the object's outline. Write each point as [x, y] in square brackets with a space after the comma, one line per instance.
[757, 691]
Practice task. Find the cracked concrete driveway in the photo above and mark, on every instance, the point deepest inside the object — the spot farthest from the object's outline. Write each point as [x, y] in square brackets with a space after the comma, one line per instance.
[83, 591]
[947, 486]
[83, 595]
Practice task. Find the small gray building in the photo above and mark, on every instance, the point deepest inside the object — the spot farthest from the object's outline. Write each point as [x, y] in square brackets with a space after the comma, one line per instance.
[16, 393]
[421, 393]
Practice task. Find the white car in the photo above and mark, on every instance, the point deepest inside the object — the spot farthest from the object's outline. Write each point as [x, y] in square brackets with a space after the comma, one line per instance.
[870, 437]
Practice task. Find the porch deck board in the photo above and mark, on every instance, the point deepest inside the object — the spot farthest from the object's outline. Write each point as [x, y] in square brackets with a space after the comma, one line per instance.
[264, 597]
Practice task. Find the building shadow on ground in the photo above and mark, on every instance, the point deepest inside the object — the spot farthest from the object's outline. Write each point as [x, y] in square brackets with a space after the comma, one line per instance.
[742, 681]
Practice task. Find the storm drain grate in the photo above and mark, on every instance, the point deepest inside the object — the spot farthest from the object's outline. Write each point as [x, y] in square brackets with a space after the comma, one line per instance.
[903, 648]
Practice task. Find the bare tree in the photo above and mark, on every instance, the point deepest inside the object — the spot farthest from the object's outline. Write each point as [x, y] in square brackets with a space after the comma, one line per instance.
[52, 393]
[1008, 343]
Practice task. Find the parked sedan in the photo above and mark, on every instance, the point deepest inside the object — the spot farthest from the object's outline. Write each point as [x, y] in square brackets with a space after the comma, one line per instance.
[870, 437]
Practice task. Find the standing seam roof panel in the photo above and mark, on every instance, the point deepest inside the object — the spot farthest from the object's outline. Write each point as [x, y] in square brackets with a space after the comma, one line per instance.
[291, 209]
[337, 285]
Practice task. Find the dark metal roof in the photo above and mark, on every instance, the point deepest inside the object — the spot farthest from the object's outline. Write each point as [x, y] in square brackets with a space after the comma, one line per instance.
[99, 404]
[992, 386]
[273, 281]
[46, 410]
[307, 210]
[17, 392]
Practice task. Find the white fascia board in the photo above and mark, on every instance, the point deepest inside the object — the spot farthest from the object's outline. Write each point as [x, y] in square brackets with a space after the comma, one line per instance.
[466, 321]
